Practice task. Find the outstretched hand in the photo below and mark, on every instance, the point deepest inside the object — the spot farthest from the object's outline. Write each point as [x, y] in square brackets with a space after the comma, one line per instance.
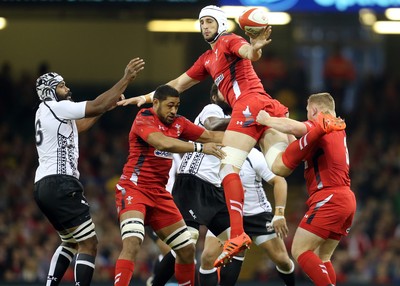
[133, 68]
[137, 100]
[261, 39]
[214, 149]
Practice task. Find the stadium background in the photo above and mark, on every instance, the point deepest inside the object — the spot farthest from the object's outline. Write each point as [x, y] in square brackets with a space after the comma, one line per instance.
[89, 43]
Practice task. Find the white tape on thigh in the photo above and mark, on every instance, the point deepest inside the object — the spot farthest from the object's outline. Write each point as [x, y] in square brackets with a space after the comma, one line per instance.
[81, 233]
[179, 238]
[234, 156]
[194, 234]
[132, 227]
[274, 151]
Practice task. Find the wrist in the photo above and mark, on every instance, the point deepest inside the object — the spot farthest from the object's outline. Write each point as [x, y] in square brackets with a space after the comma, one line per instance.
[198, 147]
[279, 210]
[148, 98]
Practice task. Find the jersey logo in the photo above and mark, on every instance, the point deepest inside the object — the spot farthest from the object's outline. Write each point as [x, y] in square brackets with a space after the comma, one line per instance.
[163, 154]
[178, 129]
[161, 127]
[129, 199]
[219, 79]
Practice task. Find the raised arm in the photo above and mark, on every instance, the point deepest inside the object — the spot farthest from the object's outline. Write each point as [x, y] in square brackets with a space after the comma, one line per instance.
[253, 51]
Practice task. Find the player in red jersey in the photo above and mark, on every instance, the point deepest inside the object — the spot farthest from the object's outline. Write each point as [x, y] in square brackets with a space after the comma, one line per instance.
[141, 196]
[331, 203]
[228, 62]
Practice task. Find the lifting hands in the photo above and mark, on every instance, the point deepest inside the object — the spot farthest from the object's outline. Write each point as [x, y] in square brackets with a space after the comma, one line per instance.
[262, 39]
[133, 68]
[214, 149]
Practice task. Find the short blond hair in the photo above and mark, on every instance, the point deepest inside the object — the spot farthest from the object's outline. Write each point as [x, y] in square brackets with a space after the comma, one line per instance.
[323, 100]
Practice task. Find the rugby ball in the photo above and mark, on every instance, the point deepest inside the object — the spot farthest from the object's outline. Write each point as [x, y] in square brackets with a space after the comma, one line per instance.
[253, 20]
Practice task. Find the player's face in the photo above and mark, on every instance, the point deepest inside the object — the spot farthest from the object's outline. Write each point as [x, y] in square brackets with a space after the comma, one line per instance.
[209, 28]
[166, 110]
[63, 92]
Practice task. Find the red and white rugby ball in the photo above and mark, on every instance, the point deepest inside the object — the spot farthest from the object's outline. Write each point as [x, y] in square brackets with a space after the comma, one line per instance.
[253, 20]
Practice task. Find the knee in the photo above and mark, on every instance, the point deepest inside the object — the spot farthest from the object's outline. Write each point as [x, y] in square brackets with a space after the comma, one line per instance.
[130, 247]
[284, 263]
[88, 246]
[207, 259]
[186, 254]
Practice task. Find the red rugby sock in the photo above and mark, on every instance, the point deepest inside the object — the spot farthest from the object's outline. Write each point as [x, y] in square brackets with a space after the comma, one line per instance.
[123, 272]
[184, 274]
[314, 268]
[234, 196]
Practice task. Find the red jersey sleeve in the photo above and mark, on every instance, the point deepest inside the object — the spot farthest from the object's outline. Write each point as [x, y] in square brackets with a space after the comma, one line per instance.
[198, 71]
[190, 130]
[235, 43]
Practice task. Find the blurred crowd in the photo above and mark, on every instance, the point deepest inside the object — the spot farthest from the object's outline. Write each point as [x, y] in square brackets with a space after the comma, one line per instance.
[371, 252]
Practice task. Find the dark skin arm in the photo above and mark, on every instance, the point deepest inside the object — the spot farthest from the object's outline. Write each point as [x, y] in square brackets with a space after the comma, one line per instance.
[216, 124]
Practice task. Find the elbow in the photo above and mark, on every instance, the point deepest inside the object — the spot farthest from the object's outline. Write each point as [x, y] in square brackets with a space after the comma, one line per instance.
[163, 146]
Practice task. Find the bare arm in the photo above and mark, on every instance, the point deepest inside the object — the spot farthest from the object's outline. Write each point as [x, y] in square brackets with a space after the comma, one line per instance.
[164, 143]
[253, 51]
[211, 136]
[216, 124]
[181, 83]
[85, 123]
[108, 99]
[280, 195]
[282, 124]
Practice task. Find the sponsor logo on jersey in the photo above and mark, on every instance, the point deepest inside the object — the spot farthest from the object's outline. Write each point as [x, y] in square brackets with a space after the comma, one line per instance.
[219, 79]
[163, 154]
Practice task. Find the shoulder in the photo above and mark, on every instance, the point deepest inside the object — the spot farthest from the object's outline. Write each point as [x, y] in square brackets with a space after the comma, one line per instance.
[231, 38]
[212, 108]
[144, 115]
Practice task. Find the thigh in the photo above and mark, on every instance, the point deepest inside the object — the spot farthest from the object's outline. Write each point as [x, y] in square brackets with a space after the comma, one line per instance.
[61, 199]
[257, 227]
[238, 139]
[275, 249]
[326, 249]
[198, 201]
[304, 240]
[164, 213]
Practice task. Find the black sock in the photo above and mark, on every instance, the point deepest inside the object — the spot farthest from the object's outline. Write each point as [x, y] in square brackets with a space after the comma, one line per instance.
[287, 277]
[165, 270]
[60, 262]
[230, 273]
[208, 277]
[84, 267]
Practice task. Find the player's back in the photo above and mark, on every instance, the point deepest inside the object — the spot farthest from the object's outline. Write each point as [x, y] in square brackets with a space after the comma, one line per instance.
[205, 167]
[328, 164]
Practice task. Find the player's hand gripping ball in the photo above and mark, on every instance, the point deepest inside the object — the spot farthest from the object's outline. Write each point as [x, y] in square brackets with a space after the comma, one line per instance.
[253, 21]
